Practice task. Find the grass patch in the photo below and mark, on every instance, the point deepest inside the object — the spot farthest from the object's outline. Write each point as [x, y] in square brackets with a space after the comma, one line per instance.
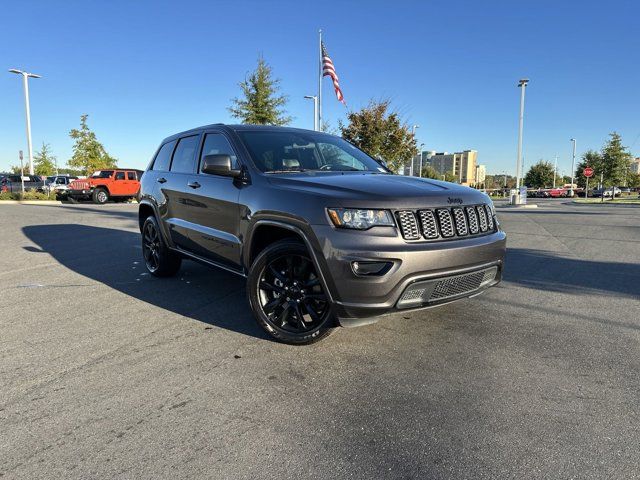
[625, 201]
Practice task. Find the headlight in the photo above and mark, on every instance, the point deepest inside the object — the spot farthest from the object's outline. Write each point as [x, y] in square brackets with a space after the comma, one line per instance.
[360, 219]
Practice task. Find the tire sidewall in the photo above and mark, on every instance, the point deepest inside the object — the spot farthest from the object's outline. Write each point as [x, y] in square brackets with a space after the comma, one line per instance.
[267, 255]
[169, 262]
[96, 196]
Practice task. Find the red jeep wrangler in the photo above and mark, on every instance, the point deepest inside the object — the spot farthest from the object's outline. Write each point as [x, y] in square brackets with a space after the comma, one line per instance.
[118, 184]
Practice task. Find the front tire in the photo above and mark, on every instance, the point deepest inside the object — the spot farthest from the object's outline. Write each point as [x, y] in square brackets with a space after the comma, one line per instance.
[159, 260]
[286, 295]
[100, 196]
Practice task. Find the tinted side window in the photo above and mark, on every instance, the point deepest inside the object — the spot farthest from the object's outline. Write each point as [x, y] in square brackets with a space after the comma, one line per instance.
[185, 155]
[131, 176]
[119, 175]
[217, 144]
[163, 158]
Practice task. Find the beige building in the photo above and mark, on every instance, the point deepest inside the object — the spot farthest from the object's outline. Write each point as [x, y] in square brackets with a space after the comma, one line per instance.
[481, 174]
[461, 164]
[635, 166]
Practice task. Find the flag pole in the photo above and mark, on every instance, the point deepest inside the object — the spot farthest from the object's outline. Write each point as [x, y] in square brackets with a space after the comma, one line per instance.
[320, 80]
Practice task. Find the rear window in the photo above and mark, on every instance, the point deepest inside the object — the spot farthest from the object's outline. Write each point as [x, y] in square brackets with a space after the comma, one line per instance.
[163, 158]
[185, 155]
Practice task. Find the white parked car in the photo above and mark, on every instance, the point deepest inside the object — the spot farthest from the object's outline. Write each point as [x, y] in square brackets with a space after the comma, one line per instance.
[58, 183]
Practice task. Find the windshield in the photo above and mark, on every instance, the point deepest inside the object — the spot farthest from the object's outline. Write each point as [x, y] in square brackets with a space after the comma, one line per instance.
[102, 174]
[274, 152]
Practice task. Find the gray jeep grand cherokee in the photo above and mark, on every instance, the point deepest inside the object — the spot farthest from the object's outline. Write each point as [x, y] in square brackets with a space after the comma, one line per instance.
[324, 234]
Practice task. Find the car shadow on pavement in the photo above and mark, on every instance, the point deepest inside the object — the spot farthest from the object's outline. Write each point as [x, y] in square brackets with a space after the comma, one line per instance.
[114, 258]
[544, 271]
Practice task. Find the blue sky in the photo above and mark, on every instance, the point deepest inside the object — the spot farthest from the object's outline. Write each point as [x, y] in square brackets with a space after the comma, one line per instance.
[145, 70]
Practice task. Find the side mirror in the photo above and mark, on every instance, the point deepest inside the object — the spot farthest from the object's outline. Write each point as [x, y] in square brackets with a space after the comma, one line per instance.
[219, 164]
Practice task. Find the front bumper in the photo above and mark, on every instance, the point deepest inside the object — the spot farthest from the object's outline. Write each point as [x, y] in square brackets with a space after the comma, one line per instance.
[439, 266]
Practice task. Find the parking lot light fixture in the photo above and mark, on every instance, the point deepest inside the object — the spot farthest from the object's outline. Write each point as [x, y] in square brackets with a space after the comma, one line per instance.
[25, 83]
[315, 110]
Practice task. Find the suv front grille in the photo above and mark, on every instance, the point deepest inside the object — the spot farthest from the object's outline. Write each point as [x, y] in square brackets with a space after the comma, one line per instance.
[446, 223]
[408, 225]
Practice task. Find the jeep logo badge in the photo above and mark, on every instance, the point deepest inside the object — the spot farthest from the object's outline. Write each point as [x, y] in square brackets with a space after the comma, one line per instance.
[454, 200]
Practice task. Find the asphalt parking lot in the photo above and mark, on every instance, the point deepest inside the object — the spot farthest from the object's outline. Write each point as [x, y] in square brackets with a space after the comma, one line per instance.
[106, 372]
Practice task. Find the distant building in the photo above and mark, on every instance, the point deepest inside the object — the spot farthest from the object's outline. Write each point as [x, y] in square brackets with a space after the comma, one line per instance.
[419, 161]
[481, 174]
[635, 166]
[462, 165]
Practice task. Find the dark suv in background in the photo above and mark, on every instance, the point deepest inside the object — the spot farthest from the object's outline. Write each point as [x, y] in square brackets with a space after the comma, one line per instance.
[324, 234]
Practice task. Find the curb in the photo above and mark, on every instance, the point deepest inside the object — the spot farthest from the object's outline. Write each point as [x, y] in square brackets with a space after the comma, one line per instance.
[30, 202]
[608, 203]
[532, 205]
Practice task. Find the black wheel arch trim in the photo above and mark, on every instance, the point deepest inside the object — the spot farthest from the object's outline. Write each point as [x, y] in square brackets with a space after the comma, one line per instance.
[156, 213]
[315, 258]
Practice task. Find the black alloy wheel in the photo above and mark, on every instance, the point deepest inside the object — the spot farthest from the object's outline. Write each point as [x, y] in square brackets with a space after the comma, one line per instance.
[287, 296]
[151, 247]
[159, 260]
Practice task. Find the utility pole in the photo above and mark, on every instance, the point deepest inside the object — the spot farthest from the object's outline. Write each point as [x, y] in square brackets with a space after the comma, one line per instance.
[573, 167]
[25, 83]
[555, 170]
[523, 85]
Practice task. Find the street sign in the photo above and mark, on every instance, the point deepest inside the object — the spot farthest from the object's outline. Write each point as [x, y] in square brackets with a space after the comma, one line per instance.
[588, 172]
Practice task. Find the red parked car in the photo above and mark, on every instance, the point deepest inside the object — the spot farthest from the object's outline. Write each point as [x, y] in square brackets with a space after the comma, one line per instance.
[119, 184]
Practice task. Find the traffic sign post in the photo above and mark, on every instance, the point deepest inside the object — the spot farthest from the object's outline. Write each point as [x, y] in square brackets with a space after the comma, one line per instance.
[588, 173]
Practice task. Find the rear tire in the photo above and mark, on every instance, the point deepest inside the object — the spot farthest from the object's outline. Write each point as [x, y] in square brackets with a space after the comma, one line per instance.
[100, 196]
[159, 260]
[287, 296]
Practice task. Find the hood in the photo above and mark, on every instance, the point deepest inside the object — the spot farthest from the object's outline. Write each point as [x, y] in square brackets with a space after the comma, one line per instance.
[378, 190]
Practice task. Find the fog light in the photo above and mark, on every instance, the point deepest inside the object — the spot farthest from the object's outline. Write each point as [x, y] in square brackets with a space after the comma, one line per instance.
[370, 268]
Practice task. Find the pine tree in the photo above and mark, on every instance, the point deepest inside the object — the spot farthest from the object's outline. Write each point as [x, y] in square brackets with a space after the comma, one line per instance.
[44, 161]
[261, 104]
[616, 161]
[88, 153]
[380, 133]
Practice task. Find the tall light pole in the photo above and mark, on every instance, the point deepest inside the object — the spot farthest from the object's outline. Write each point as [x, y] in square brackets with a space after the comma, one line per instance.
[523, 85]
[420, 153]
[413, 132]
[555, 171]
[25, 83]
[315, 110]
[573, 167]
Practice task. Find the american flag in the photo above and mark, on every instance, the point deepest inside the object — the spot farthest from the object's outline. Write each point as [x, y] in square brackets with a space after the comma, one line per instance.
[328, 70]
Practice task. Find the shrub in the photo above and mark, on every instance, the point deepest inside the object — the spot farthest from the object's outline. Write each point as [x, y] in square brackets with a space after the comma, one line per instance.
[31, 194]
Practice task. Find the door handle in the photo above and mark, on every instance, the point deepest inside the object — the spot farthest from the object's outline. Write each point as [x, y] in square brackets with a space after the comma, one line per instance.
[193, 184]
[162, 180]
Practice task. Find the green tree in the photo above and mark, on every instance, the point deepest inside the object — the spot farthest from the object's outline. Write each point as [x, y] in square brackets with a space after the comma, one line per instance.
[430, 172]
[380, 133]
[539, 175]
[449, 177]
[261, 104]
[88, 153]
[634, 180]
[592, 159]
[44, 162]
[616, 161]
